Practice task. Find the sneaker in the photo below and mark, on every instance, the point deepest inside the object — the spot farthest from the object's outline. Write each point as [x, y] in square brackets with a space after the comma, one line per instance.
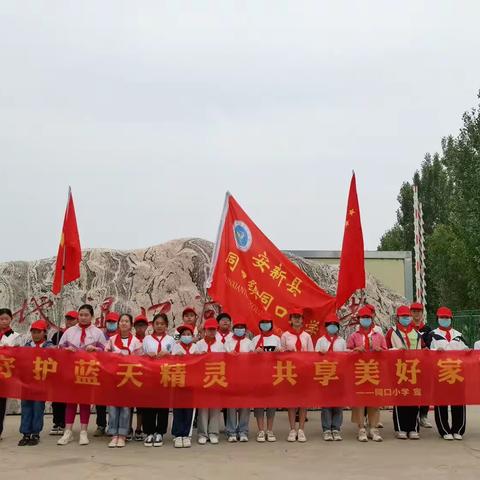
[83, 440]
[327, 436]
[60, 430]
[148, 442]
[121, 442]
[202, 440]
[379, 425]
[178, 442]
[375, 435]
[448, 436]
[54, 430]
[271, 437]
[457, 436]
[157, 440]
[24, 441]
[129, 436]
[261, 436]
[213, 439]
[66, 438]
[402, 435]
[362, 435]
[139, 436]
[34, 440]
[113, 442]
[424, 423]
[232, 438]
[301, 436]
[187, 442]
[336, 436]
[243, 437]
[413, 436]
[99, 432]
[292, 436]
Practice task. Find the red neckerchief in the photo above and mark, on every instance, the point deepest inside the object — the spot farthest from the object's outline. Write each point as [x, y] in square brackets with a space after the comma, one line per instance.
[260, 341]
[159, 339]
[331, 339]
[237, 346]
[418, 327]
[38, 344]
[6, 332]
[140, 338]
[186, 347]
[119, 344]
[83, 335]
[366, 334]
[405, 331]
[298, 343]
[209, 342]
[224, 335]
[111, 334]
[448, 335]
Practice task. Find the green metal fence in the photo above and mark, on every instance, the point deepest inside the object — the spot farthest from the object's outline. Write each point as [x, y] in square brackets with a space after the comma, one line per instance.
[465, 321]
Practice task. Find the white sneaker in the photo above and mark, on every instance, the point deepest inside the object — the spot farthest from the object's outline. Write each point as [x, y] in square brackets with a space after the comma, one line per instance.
[202, 440]
[83, 440]
[301, 436]
[157, 440]
[327, 436]
[448, 436]
[424, 423]
[113, 442]
[243, 437]
[232, 439]
[292, 436]
[261, 436]
[178, 442]
[379, 425]
[362, 435]
[54, 430]
[457, 436]
[336, 436]
[271, 437]
[213, 439]
[375, 435]
[402, 435]
[187, 443]
[148, 442]
[121, 442]
[66, 438]
[413, 436]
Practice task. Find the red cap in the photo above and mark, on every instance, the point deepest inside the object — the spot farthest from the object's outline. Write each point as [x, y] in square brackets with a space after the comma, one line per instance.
[112, 317]
[184, 327]
[332, 318]
[365, 312]
[296, 311]
[39, 325]
[403, 311]
[188, 310]
[239, 322]
[416, 306]
[371, 307]
[140, 318]
[444, 312]
[72, 314]
[211, 323]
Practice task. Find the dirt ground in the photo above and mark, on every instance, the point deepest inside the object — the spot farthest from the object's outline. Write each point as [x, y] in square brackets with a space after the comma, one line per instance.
[429, 458]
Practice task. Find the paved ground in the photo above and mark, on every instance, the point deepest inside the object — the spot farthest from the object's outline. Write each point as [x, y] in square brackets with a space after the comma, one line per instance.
[428, 458]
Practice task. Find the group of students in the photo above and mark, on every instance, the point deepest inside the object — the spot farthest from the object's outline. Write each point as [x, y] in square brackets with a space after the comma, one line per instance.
[124, 335]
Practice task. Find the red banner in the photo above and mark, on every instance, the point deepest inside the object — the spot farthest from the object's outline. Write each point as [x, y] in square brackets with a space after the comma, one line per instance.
[242, 380]
[252, 279]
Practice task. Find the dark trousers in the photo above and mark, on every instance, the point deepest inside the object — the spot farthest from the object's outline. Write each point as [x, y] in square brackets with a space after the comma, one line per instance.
[3, 408]
[424, 411]
[31, 422]
[58, 410]
[459, 419]
[101, 416]
[405, 419]
[182, 422]
[154, 420]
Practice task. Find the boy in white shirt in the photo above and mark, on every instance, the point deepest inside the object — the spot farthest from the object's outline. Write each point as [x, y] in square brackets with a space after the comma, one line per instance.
[224, 331]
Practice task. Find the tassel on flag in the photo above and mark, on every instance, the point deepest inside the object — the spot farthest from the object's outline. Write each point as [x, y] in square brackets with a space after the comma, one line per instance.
[69, 256]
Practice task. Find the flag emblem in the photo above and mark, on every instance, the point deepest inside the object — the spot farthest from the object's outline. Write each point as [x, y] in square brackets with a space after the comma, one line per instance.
[243, 236]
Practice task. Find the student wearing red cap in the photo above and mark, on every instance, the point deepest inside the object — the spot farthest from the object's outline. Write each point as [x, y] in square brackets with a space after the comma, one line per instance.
[189, 317]
[331, 341]
[366, 339]
[183, 417]
[58, 408]
[156, 346]
[446, 338]
[403, 336]
[208, 419]
[31, 423]
[296, 339]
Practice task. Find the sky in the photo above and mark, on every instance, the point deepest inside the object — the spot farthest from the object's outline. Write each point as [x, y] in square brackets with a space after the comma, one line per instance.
[152, 110]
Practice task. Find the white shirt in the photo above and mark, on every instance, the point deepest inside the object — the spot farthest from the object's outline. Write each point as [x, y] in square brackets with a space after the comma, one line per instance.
[476, 345]
[289, 341]
[222, 338]
[323, 344]
[93, 336]
[179, 349]
[135, 346]
[270, 342]
[13, 339]
[439, 341]
[151, 345]
[246, 345]
[216, 347]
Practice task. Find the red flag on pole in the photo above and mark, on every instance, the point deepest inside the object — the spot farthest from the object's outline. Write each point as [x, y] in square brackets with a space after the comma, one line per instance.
[251, 279]
[69, 255]
[351, 275]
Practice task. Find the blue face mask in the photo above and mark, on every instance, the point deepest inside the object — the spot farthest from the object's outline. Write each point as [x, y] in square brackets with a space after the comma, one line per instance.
[186, 339]
[239, 332]
[265, 327]
[111, 327]
[332, 329]
[366, 322]
[405, 321]
[445, 322]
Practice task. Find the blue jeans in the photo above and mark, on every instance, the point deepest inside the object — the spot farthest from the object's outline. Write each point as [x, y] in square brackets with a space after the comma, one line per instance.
[182, 422]
[237, 425]
[32, 417]
[119, 421]
[332, 418]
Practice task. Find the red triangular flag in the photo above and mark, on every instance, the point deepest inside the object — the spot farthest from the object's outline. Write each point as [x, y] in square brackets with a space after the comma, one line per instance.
[252, 279]
[69, 255]
[351, 275]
